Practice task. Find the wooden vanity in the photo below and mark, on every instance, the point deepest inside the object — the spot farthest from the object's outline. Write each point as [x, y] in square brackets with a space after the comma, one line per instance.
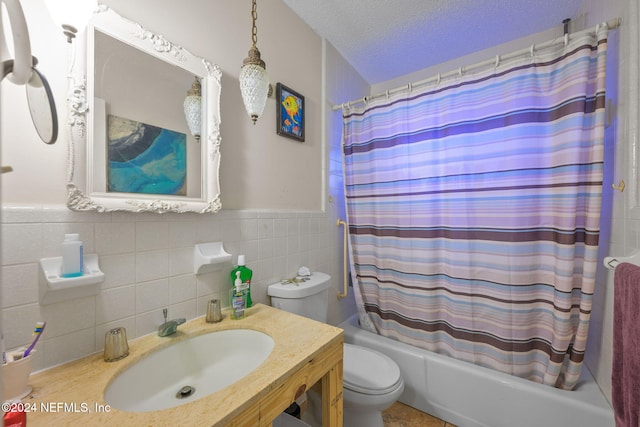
[305, 352]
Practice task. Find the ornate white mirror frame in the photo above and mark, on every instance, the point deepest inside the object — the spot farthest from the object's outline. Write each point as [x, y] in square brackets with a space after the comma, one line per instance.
[86, 180]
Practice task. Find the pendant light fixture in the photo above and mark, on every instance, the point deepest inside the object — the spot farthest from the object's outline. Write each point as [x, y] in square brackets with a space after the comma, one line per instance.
[254, 82]
[192, 109]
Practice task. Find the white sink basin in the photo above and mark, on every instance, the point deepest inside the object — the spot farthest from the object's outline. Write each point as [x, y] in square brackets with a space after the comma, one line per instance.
[188, 370]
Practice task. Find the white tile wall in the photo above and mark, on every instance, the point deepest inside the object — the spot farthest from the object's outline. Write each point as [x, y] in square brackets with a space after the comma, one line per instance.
[148, 264]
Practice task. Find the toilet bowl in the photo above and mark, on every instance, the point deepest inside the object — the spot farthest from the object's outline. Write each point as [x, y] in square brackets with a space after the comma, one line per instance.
[371, 380]
[372, 383]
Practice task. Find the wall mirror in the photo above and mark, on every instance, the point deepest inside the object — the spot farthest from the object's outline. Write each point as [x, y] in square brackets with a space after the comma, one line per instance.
[130, 144]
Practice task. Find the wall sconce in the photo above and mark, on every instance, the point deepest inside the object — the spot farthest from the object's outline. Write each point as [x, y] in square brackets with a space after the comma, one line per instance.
[254, 81]
[72, 15]
[192, 109]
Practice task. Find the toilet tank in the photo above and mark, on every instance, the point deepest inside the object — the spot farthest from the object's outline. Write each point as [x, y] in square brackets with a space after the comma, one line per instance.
[309, 299]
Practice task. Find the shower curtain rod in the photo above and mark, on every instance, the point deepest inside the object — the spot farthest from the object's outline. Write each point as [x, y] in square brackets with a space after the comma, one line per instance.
[612, 24]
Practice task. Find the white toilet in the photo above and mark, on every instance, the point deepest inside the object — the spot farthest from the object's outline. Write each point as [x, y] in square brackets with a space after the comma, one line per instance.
[365, 395]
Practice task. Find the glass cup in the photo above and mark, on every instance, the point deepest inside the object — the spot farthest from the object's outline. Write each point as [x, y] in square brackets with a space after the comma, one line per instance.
[214, 311]
[116, 346]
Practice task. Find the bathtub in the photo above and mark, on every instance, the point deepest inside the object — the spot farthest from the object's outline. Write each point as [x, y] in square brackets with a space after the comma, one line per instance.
[472, 396]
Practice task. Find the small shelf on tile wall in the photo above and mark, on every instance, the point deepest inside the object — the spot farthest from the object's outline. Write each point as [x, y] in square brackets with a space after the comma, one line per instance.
[209, 257]
[55, 288]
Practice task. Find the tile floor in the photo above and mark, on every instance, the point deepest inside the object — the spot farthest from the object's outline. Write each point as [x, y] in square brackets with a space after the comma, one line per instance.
[401, 415]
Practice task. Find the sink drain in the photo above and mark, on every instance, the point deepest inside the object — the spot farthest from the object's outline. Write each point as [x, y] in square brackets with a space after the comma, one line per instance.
[185, 391]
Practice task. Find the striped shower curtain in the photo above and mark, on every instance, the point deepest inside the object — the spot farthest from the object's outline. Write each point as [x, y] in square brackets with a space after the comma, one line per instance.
[474, 205]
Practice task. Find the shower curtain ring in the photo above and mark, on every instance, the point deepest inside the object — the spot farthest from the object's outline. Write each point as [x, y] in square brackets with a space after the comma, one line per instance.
[497, 61]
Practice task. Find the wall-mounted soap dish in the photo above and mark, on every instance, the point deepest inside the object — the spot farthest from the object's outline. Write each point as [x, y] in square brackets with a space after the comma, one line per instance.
[209, 257]
[55, 288]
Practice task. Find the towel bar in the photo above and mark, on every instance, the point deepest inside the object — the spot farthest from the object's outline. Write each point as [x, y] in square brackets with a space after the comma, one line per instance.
[611, 262]
[345, 232]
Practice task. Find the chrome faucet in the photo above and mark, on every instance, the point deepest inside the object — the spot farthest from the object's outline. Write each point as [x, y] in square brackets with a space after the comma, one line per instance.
[169, 327]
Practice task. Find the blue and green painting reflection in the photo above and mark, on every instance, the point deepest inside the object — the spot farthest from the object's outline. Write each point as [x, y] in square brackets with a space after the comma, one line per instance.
[144, 158]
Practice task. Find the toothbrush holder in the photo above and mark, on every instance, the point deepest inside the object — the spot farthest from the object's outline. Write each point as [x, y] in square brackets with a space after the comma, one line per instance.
[15, 376]
[116, 346]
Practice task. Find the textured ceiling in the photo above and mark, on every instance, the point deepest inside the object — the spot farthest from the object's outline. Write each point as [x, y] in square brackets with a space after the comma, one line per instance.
[384, 39]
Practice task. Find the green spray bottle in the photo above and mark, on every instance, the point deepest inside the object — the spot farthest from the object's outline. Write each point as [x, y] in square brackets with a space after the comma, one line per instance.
[245, 276]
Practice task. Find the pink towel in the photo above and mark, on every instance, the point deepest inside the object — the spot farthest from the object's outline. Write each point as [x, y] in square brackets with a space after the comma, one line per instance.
[625, 376]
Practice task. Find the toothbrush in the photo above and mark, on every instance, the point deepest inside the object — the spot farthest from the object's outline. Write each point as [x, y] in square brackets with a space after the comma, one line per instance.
[37, 332]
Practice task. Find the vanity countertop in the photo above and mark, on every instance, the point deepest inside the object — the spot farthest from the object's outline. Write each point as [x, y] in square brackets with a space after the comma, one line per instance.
[305, 351]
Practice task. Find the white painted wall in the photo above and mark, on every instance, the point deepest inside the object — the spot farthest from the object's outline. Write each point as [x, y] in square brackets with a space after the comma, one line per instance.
[342, 84]
[259, 168]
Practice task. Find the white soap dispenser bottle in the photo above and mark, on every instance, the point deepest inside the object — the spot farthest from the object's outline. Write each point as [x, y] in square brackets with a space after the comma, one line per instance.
[72, 256]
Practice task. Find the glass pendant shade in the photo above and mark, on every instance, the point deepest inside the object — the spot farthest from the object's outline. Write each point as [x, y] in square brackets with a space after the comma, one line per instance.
[193, 108]
[72, 15]
[254, 82]
[254, 86]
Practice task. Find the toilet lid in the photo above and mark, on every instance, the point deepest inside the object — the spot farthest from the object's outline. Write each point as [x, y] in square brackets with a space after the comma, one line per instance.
[368, 371]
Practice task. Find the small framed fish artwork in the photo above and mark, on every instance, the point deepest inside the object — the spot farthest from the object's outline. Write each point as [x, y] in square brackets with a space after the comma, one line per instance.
[290, 113]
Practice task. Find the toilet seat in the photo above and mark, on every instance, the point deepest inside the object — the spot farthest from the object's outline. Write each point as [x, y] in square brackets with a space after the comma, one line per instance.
[368, 371]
